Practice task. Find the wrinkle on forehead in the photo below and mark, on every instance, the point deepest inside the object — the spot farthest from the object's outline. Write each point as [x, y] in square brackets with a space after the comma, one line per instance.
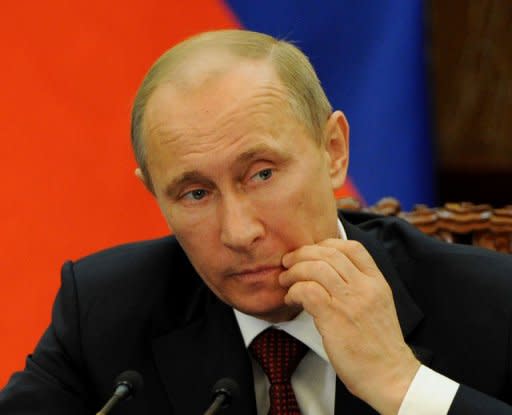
[208, 117]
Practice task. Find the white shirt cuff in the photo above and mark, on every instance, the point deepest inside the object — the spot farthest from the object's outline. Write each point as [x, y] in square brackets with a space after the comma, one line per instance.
[430, 393]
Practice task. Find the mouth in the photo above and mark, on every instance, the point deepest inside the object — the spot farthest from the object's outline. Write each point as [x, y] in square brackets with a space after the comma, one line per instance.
[258, 274]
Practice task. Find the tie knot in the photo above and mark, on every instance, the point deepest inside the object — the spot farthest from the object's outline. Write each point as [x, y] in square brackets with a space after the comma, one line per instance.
[278, 354]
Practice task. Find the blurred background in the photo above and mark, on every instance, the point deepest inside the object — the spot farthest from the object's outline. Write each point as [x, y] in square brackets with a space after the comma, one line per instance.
[426, 86]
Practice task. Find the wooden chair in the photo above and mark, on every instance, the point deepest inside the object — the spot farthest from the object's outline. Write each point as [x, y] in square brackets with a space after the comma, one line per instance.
[480, 225]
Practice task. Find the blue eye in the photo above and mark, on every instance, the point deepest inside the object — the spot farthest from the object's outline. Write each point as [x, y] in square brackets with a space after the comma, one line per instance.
[197, 194]
[264, 174]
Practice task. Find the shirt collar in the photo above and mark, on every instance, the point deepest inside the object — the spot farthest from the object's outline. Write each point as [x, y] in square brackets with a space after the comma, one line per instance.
[301, 327]
[341, 231]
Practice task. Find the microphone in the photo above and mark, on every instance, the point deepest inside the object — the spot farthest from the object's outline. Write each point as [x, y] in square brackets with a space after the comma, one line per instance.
[126, 385]
[223, 393]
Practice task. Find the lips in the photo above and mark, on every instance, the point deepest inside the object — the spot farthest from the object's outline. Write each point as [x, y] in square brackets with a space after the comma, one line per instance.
[258, 273]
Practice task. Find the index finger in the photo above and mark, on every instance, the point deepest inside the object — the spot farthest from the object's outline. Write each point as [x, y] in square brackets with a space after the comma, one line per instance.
[356, 252]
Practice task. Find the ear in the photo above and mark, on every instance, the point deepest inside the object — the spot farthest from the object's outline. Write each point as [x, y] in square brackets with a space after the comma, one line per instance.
[145, 180]
[336, 147]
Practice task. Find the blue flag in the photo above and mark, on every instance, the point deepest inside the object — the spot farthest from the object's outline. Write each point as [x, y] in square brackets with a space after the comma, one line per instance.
[370, 57]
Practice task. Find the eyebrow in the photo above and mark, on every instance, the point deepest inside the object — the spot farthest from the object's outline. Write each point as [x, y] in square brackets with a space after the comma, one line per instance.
[198, 177]
[192, 176]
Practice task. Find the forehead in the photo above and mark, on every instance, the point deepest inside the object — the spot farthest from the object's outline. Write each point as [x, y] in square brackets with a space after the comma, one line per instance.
[247, 95]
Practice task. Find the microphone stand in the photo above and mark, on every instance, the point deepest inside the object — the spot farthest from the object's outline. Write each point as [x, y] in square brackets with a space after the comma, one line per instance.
[120, 393]
[216, 404]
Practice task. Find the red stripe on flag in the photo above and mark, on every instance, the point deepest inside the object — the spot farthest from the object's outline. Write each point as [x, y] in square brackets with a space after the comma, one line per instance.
[70, 70]
[349, 190]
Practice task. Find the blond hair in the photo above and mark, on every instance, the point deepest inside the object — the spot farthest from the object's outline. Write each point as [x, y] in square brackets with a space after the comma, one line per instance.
[307, 98]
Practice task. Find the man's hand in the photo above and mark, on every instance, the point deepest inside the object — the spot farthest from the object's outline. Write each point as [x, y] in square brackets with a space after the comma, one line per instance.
[339, 284]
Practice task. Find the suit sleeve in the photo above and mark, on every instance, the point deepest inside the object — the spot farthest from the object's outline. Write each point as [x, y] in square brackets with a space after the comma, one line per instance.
[469, 401]
[53, 379]
[432, 393]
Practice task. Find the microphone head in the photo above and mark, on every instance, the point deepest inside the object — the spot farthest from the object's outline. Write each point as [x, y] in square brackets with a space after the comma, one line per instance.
[132, 380]
[227, 387]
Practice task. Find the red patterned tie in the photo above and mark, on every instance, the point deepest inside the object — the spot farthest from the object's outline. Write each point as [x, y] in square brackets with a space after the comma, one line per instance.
[279, 354]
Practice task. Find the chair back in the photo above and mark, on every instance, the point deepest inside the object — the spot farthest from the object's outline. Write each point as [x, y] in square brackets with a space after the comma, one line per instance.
[466, 223]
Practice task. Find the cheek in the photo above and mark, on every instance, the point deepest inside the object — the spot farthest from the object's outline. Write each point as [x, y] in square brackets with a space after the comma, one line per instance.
[183, 228]
[301, 211]
[199, 250]
[199, 239]
[286, 220]
[294, 194]
[197, 243]
[183, 222]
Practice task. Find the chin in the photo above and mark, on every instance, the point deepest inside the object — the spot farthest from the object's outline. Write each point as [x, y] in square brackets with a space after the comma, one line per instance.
[273, 312]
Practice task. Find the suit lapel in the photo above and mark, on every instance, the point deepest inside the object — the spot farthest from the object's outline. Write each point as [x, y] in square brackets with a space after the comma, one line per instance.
[191, 359]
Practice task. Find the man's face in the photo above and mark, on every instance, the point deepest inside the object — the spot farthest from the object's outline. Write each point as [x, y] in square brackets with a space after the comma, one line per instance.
[241, 182]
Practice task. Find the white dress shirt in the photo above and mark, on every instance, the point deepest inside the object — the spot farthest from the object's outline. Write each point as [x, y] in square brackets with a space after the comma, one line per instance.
[314, 380]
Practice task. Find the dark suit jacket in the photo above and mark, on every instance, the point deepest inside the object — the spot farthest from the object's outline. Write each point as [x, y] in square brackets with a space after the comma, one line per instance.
[143, 307]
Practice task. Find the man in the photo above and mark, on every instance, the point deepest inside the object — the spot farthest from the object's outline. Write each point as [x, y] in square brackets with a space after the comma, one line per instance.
[239, 145]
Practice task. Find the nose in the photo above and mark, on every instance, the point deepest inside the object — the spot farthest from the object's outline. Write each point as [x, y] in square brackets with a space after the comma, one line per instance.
[240, 226]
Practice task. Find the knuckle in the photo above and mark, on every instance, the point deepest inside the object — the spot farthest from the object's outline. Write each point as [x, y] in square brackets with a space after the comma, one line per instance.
[301, 268]
[311, 268]
[330, 243]
[305, 250]
[373, 296]
[354, 246]
[322, 270]
[331, 252]
[284, 277]
[295, 292]
[314, 293]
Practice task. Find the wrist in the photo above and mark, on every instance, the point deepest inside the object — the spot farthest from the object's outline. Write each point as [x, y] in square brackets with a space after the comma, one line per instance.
[389, 390]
